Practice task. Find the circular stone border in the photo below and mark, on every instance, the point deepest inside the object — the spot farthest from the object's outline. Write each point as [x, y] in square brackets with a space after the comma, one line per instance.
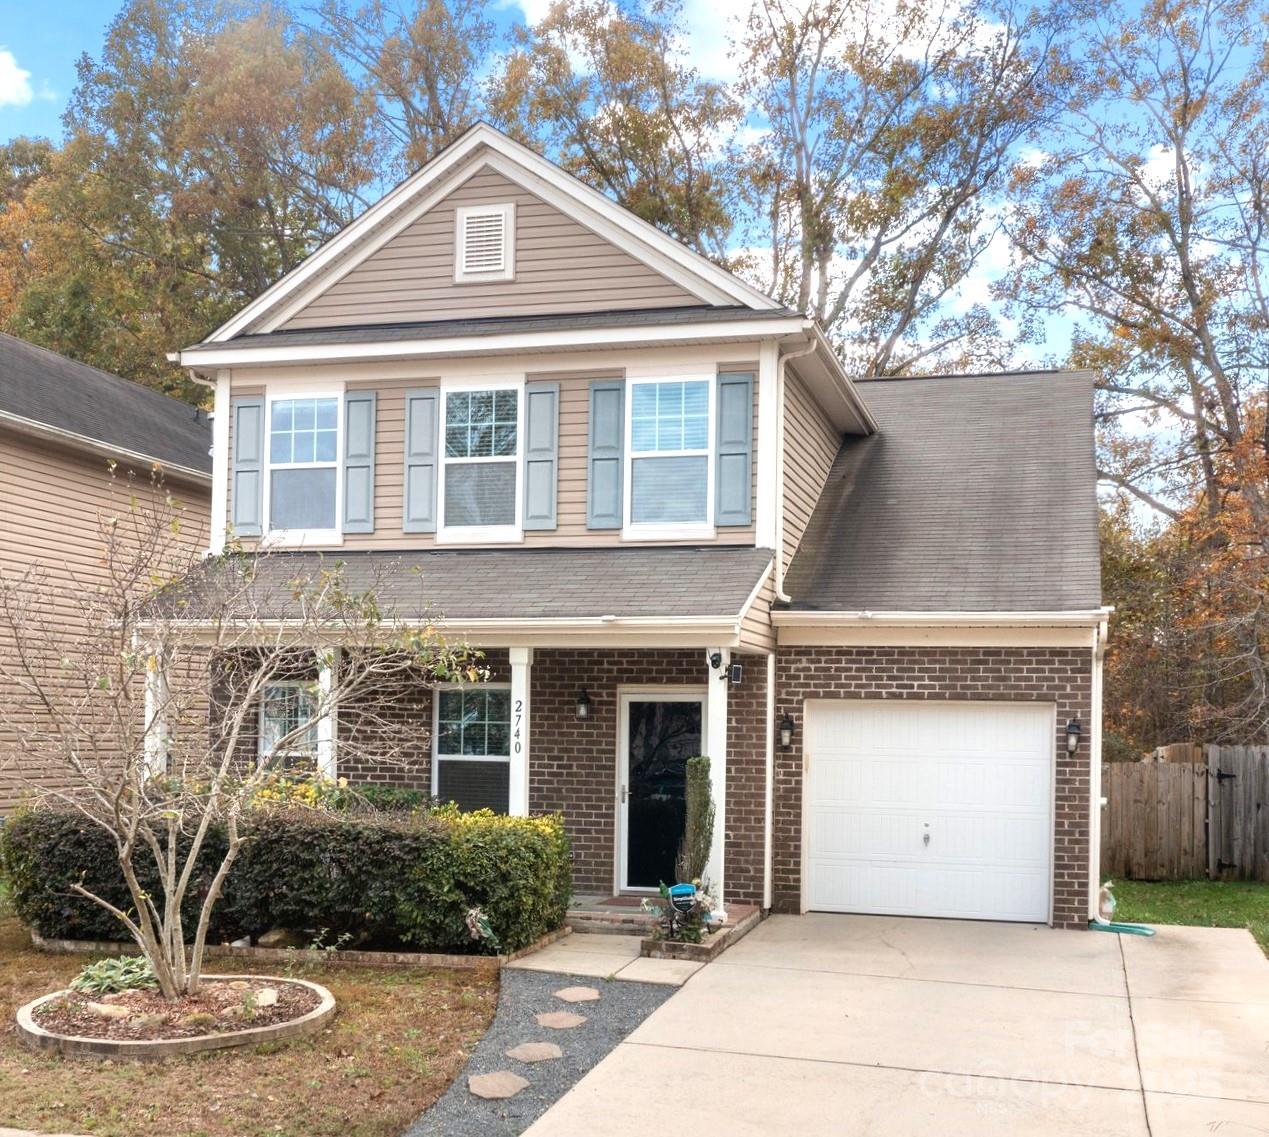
[36, 1037]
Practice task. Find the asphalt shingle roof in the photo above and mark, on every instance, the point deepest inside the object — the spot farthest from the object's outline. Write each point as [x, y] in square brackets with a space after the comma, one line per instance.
[494, 325]
[44, 387]
[977, 494]
[480, 584]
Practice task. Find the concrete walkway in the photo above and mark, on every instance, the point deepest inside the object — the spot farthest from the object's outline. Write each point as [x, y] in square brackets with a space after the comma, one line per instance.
[606, 957]
[880, 1027]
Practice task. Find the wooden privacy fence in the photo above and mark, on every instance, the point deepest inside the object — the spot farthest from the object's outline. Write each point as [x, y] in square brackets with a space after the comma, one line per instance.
[1183, 820]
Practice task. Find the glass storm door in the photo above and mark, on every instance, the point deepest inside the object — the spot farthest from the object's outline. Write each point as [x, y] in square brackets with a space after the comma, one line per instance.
[660, 733]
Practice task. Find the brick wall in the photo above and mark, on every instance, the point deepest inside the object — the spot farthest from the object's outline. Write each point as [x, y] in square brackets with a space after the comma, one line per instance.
[573, 764]
[1054, 675]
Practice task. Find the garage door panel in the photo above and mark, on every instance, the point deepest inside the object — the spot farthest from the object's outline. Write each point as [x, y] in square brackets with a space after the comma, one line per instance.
[975, 777]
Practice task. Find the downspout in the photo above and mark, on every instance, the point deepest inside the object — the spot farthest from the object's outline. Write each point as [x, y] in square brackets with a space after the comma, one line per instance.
[780, 595]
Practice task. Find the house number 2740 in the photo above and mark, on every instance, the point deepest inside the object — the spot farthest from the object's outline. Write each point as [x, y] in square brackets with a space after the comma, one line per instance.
[516, 745]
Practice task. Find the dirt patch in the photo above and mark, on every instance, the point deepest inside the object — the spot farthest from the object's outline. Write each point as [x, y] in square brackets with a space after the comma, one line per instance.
[398, 1040]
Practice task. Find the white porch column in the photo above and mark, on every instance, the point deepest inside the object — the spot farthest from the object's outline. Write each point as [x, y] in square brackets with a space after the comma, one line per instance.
[518, 789]
[328, 714]
[716, 752]
[157, 695]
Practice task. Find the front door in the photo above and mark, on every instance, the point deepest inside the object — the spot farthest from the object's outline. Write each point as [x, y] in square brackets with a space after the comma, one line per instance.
[659, 733]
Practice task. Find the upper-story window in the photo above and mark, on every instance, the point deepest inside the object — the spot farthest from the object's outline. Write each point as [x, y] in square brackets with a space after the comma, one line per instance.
[303, 464]
[481, 468]
[670, 443]
[484, 243]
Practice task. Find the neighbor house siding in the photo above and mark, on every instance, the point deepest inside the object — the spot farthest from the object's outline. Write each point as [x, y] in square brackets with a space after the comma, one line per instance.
[52, 500]
[756, 632]
[571, 472]
[560, 266]
[1062, 676]
[810, 445]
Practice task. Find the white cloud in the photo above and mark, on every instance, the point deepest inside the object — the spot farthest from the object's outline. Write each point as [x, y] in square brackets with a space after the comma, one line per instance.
[15, 83]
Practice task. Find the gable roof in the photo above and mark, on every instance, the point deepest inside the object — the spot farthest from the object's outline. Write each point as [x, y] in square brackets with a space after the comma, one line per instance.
[482, 145]
[83, 406]
[977, 494]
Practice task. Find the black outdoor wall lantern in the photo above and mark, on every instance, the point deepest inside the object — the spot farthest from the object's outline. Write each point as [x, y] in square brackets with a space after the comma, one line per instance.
[1072, 736]
[786, 731]
[583, 704]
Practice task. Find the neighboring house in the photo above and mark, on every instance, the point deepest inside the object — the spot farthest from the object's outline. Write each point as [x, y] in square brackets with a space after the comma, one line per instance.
[62, 424]
[654, 498]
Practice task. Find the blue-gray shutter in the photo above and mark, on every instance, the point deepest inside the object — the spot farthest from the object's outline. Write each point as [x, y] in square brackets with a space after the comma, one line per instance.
[733, 475]
[248, 467]
[422, 452]
[541, 453]
[359, 462]
[606, 454]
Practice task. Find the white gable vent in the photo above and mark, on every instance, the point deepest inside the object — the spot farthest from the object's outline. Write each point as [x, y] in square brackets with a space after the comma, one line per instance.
[485, 243]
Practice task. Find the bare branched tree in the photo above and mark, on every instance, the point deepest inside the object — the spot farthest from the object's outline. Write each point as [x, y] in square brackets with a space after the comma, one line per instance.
[149, 706]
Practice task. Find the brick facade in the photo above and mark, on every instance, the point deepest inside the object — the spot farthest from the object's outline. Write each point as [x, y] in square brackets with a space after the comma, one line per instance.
[1053, 675]
[573, 764]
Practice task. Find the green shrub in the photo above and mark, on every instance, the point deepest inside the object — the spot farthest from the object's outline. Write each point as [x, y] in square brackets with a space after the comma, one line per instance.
[408, 880]
[108, 976]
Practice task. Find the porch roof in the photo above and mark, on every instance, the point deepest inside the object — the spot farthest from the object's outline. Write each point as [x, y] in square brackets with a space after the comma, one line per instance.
[515, 585]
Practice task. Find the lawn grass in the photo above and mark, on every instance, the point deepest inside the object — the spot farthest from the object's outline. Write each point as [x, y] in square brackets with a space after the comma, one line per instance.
[1207, 903]
[398, 1039]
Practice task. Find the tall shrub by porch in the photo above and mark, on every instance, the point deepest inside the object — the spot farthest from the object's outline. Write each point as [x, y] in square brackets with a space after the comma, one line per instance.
[393, 882]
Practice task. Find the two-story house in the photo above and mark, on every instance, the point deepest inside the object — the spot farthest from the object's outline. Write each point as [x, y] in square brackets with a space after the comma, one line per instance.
[676, 526]
[63, 425]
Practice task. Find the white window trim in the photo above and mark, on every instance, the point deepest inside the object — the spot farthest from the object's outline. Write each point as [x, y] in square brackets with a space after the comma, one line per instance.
[293, 538]
[438, 757]
[313, 685]
[508, 271]
[447, 534]
[669, 531]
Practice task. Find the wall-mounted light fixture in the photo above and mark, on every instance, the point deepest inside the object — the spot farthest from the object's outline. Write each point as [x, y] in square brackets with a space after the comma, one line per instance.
[786, 731]
[1072, 736]
[583, 704]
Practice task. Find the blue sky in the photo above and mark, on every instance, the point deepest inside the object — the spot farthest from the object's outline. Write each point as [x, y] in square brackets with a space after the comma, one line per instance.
[39, 45]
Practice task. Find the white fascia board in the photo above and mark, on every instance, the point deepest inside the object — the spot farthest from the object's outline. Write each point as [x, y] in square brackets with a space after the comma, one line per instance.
[566, 631]
[96, 446]
[639, 335]
[1086, 618]
[634, 228]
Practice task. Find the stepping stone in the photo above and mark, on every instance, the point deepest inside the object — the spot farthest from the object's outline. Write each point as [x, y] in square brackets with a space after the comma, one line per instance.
[500, 1084]
[560, 1020]
[578, 994]
[535, 1052]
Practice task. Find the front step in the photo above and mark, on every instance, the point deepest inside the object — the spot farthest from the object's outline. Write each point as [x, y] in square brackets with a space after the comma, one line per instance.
[610, 923]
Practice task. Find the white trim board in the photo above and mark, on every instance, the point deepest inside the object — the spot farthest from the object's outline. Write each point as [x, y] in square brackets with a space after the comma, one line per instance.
[631, 233]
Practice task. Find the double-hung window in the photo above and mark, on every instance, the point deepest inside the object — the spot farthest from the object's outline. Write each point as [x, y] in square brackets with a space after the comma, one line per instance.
[472, 766]
[303, 464]
[670, 483]
[288, 722]
[481, 467]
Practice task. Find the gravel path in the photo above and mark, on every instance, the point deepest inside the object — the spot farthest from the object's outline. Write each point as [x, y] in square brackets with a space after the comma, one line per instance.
[621, 1007]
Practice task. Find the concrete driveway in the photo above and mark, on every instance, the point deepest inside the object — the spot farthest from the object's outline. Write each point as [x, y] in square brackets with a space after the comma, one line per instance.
[870, 1027]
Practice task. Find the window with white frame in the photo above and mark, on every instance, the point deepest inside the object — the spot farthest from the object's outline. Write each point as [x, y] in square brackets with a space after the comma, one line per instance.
[670, 435]
[481, 465]
[303, 463]
[288, 719]
[472, 765]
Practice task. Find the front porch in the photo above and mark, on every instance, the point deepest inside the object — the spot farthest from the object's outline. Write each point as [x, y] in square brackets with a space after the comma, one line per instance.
[599, 735]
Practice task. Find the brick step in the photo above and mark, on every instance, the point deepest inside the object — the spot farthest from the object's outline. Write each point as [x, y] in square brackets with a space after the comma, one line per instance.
[610, 923]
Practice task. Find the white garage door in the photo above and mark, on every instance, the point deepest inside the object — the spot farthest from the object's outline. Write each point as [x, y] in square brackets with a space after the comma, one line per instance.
[930, 809]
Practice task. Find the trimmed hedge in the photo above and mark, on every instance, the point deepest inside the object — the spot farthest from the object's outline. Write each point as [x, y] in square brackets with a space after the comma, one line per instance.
[402, 882]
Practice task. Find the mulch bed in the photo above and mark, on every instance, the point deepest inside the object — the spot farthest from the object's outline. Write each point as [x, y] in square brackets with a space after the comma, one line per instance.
[220, 1006]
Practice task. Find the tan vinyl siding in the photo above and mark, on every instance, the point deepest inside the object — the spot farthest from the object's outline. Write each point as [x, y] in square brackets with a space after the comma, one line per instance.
[571, 527]
[756, 632]
[560, 266]
[51, 501]
[810, 445]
